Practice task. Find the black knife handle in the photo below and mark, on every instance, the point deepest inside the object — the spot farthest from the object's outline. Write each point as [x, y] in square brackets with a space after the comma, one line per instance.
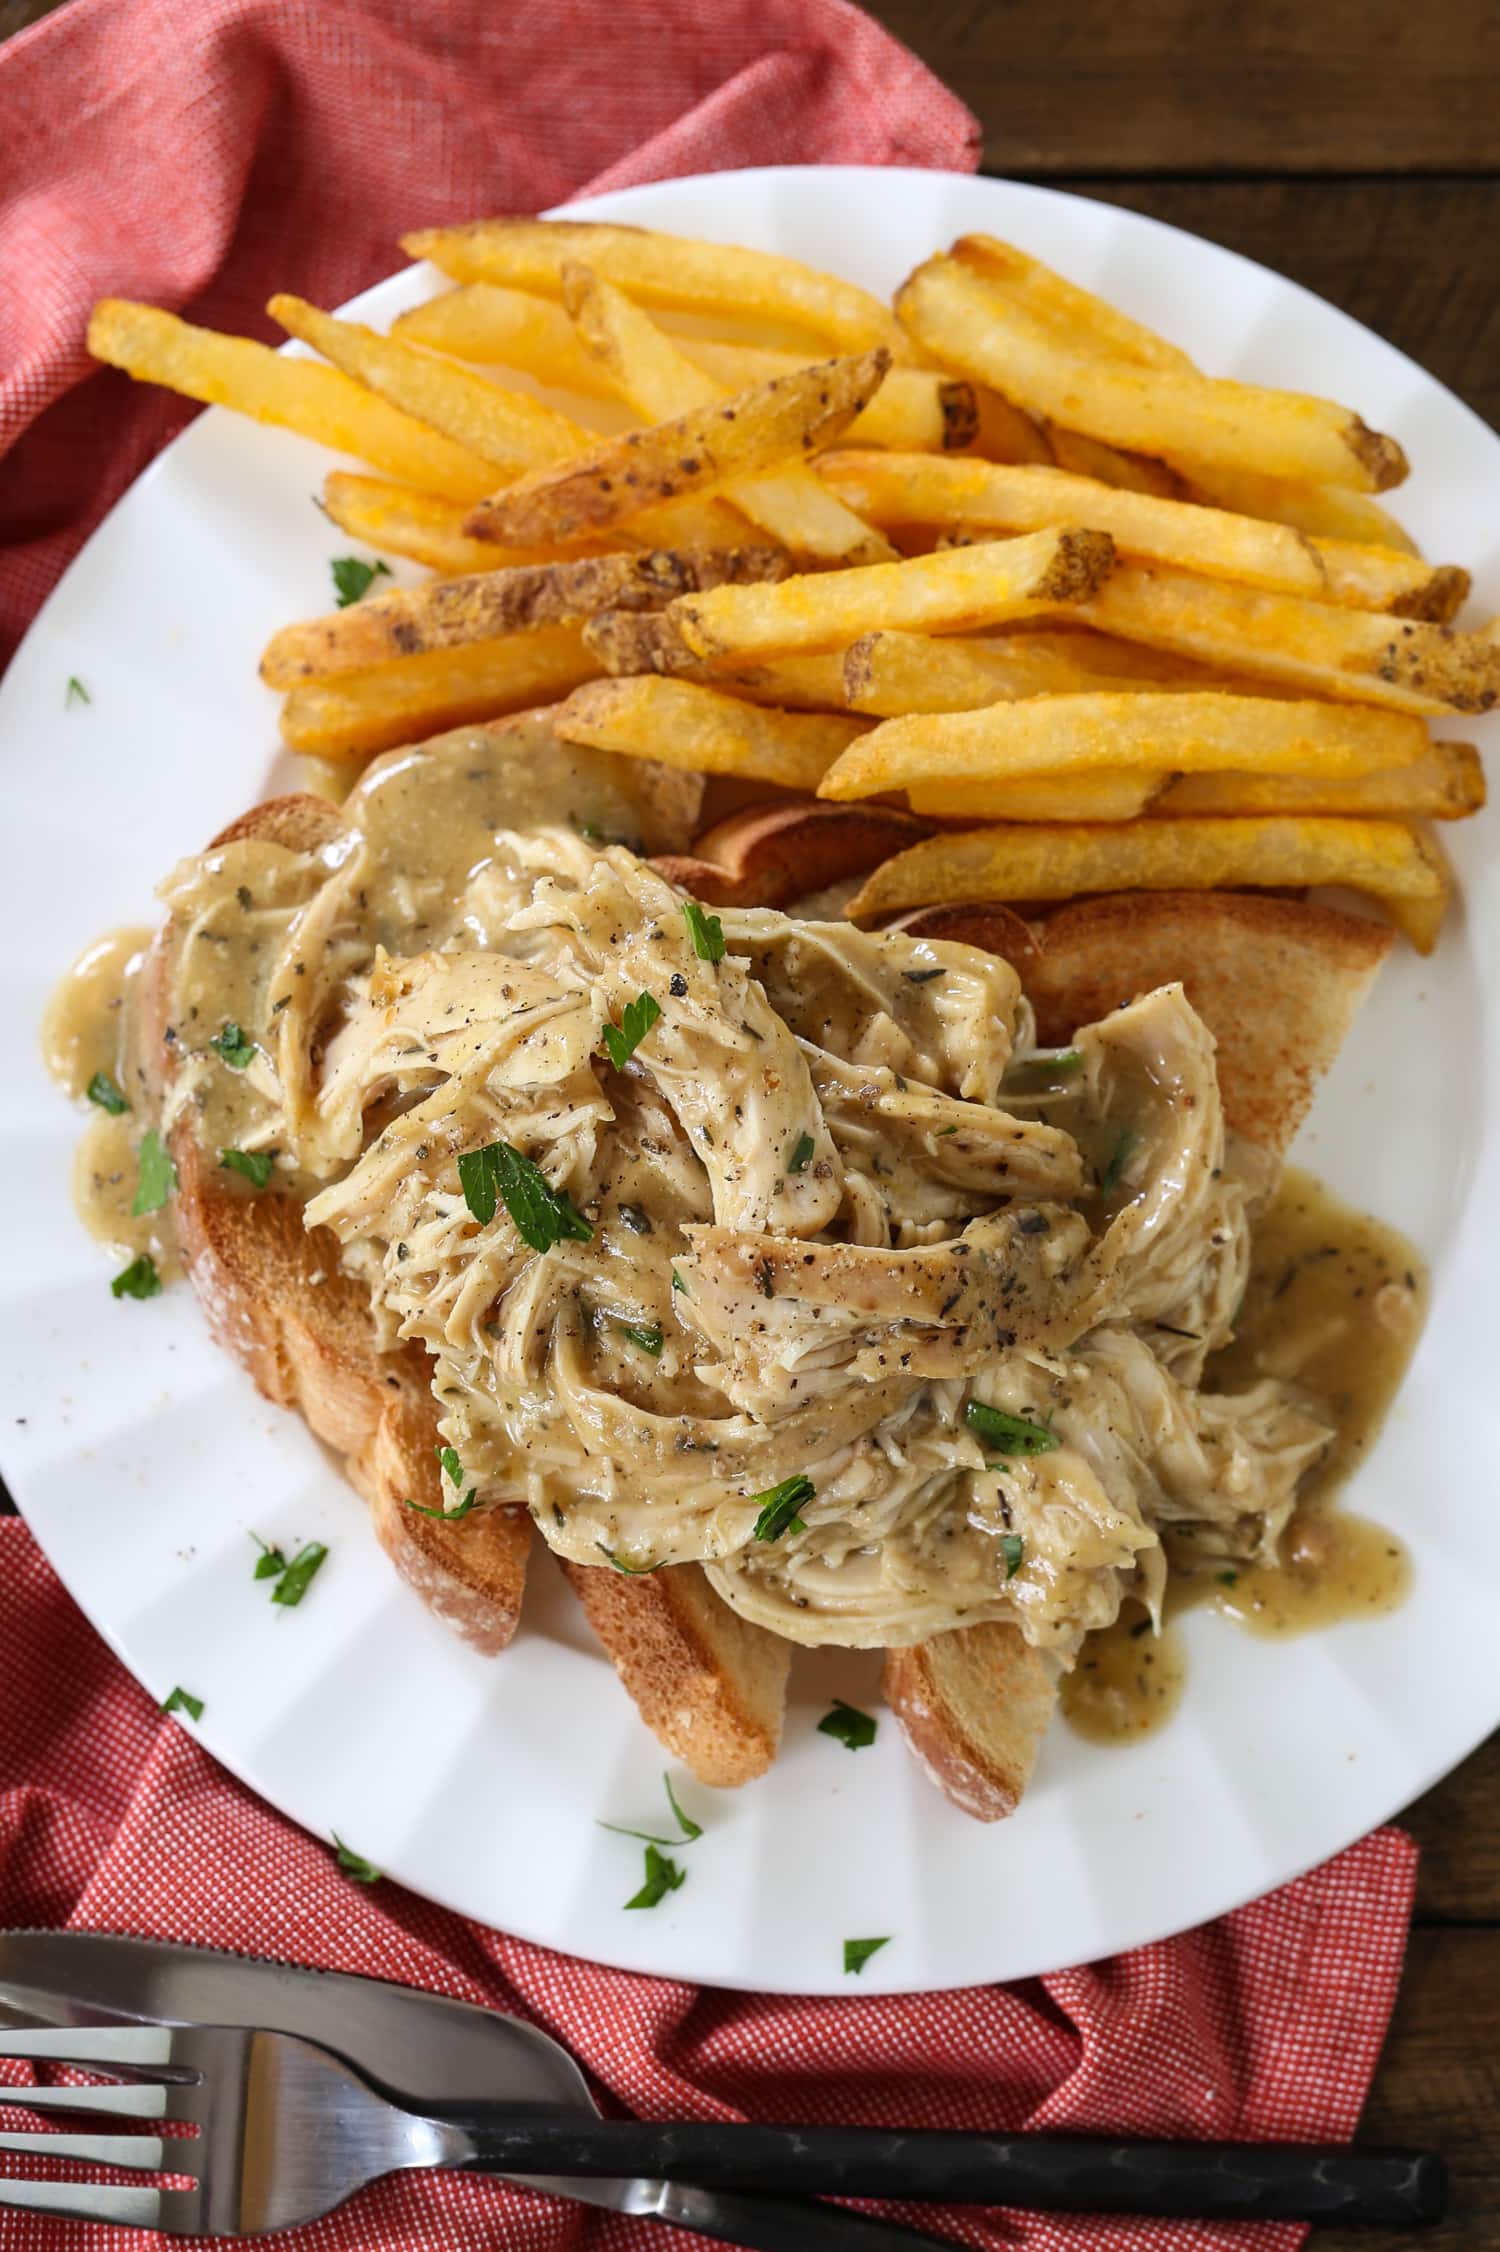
[774, 2224]
[1048, 2173]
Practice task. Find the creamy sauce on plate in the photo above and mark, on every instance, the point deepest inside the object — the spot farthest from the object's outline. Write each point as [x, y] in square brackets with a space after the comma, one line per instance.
[1335, 1303]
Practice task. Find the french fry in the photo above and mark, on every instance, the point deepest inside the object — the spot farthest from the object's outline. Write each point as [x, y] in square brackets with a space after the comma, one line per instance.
[967, 324]
[508, 428]
[1091, 322]
[679, 723]
[430, 530]
[317, 402]
[661, 269]
[967, 587]
[1174, 732]
[450, 613]
[1394, 864]
[1111, 465]
[1004, 433]
[791, 504]
[804, 684]
[1445, 784]
[626, 642]
[918, 410]
[1104, 796]
[756, 429]
[1330, 512]
[892, 488]
[1363, 655]
[372, 711]
[888, 675]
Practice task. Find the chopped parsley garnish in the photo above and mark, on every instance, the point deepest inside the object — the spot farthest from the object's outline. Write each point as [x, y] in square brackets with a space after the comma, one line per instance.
[848, 1726]
[922, 977]
[649, 1340]
[662, 1876]
[182, 1700]
[297, 1577]
[139, 1280]
[798, 1161]
[1003, 1433]
[77, 693]
[270, 1563]
[780, 1506]
[705, 931]
[1227, 1579]
[102, 1090]
[253, 1165]
[352, 578]
[156, 1176]
[1125, 1149]
[636, 1019]
[448, 1459]
[449, 1516]
[687, 1828]
[354, 1864]
[635, 1571]
[857, 1952]
[1012, 1548]
[679, 1284]
[235, 1049]
[541, 1214]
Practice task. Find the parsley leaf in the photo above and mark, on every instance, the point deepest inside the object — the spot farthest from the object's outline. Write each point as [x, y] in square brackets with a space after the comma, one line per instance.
[253, 1164]
[1012, 1548]
[687, 1827]
[1125, 1149]
[705, 931]
[156, 1176]
[297, 1577]
[182, 1700]
[662, 1876]
[449, 1516]
[857, 1952]
[448, 1458]
[77, 693]
[922, 977]
[235, 1049]
[649, 1340]
[354, 1864]
[542, 1215]
[798, 1161]
[679, 1284]
[352, 578]
[102, 1090]
[1227, 1579]
[1003, 1433]
[848, 1726]
[636, 1571]
[139, 1280]
[636, 1019]
[270, 1563]
[779, 1507]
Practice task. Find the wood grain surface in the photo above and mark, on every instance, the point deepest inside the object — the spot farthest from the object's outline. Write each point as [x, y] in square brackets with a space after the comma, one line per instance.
[1352, 144]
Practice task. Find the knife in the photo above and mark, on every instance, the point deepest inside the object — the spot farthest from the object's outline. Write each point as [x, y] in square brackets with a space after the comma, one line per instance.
[421, 2049]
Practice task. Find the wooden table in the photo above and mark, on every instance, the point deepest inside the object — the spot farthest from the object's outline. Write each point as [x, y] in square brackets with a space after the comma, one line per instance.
[1353, 145]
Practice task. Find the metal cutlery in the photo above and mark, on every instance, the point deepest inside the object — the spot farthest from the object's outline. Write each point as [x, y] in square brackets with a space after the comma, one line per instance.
[287, 2132]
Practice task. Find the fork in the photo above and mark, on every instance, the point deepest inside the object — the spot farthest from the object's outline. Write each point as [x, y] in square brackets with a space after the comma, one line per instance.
[287, 2131]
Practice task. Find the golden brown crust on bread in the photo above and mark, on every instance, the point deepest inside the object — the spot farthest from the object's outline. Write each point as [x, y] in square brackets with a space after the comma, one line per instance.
[1278, 982]
[274, 1294]
[973, 1706]
[708, 1684]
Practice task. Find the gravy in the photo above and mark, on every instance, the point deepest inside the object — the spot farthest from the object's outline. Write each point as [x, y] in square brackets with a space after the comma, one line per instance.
[1335, 1303]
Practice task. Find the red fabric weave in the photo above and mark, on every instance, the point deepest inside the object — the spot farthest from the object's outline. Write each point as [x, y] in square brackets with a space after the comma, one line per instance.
[203, 153]
[1266, 2024]
[200, 153]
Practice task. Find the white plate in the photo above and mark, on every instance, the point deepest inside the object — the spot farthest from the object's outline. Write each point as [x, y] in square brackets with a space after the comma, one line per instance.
[142, 1457]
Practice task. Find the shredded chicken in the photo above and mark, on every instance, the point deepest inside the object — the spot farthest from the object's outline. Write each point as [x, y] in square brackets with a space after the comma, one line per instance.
[834, 1201]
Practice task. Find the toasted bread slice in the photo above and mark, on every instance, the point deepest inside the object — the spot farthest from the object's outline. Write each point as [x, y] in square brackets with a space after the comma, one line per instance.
[1278, 983]
[764, 855]
[709, 1684]
[275, 1295]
